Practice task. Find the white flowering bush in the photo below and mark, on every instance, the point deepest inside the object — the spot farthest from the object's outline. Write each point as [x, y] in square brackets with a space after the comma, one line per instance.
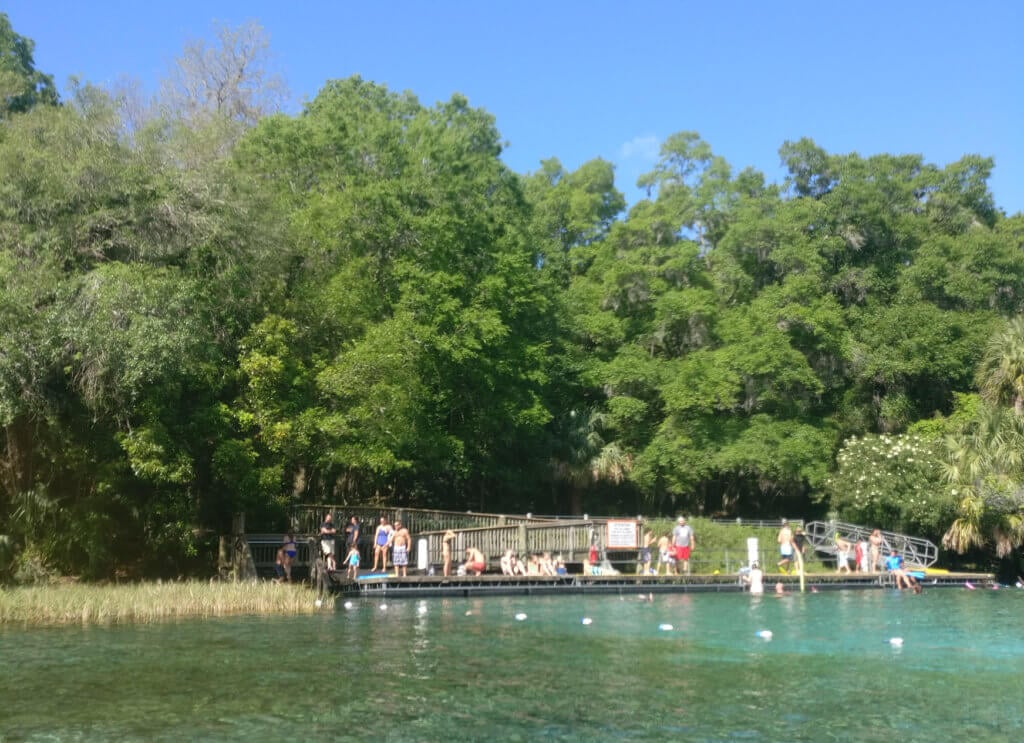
[894, 482]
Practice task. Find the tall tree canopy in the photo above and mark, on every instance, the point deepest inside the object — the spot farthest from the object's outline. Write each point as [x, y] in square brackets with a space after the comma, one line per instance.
[218, 308]
[22, 86]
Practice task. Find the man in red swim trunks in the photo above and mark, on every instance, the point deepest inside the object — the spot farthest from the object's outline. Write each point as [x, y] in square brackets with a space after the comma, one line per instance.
[475, 562]
[683, 541]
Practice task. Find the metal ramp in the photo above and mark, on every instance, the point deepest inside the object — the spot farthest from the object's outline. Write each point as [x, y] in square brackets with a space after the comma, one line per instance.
[916, 552]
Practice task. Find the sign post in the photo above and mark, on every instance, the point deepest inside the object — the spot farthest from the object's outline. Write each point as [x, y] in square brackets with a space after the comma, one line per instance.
[621, 535]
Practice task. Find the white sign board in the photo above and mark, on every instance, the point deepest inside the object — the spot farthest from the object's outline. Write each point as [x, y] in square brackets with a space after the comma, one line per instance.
[621, 535]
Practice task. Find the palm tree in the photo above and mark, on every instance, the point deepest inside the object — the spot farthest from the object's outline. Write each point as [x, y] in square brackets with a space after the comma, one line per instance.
[1000, 375]
[986, 462]
[588, 458]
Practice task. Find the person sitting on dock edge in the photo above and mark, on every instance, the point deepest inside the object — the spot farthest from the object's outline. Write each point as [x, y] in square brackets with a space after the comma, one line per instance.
[510, 564]
[902, 578]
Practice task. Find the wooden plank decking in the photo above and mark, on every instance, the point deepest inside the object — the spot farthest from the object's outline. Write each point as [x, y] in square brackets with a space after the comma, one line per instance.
[492, 584]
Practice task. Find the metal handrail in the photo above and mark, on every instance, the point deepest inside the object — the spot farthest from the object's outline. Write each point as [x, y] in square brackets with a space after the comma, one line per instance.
[915, 551]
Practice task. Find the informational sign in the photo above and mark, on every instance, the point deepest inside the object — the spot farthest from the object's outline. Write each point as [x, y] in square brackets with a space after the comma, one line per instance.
[621, 535]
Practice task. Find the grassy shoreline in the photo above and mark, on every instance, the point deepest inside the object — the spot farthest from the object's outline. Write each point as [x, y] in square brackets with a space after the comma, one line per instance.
[83, 604]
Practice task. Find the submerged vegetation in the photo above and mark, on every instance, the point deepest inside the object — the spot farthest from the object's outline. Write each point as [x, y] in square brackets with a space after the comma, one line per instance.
[208, 306]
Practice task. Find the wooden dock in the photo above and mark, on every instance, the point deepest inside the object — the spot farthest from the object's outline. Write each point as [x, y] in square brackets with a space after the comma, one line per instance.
[495, 585]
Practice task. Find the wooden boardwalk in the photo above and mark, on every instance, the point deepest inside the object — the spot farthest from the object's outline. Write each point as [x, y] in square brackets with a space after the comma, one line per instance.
[624, 584]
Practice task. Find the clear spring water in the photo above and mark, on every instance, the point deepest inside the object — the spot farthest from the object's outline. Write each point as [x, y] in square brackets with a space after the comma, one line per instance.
[425, 670]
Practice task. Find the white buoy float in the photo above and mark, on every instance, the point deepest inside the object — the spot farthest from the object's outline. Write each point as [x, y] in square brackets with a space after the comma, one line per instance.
[765, 634]
[318, 603]
[520, 617]
[586, 620]
[896, 642]
[347, 604]
[383, 607]
[666, 627]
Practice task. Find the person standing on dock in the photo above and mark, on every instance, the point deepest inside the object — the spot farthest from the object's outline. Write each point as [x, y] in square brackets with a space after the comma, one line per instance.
[666, 556]
[785, 540]
[327, 534]
[446, 552]
[684, 542]
[862, 555]
[842, 554]
[381, 540]
[290, 551]
[400, 550]
[876, 550]
[352, 561]
[352, 534]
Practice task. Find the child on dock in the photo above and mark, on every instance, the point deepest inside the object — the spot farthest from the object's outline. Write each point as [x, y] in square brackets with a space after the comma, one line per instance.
[352, 560]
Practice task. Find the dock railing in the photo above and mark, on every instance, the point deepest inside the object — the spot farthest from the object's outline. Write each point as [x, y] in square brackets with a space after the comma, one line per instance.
[570, 539]
[916, 551]
[306, 519]
[264, 547]
[494, 533]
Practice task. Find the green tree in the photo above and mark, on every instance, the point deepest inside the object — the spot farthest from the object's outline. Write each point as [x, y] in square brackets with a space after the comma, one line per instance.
[22, 86]
[986, 459]
[415, 290]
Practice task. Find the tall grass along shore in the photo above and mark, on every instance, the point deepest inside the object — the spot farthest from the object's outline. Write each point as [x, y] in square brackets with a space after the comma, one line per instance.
[66, 604]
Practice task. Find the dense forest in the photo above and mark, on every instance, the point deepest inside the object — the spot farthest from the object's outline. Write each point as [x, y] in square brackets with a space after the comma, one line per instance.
[208, 306]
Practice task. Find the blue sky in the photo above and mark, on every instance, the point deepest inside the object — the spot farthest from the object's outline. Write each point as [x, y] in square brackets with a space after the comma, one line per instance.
[578, 80]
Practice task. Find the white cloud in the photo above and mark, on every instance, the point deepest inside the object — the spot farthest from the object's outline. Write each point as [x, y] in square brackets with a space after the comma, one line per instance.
[641, 148]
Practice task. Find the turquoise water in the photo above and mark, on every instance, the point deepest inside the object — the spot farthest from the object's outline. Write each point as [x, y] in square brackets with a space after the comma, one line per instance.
[467, 669]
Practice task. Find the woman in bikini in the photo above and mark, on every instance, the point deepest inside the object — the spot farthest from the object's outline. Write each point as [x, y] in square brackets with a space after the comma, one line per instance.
[381, 542]
[446, 552]
[876, 550]
[290, 550]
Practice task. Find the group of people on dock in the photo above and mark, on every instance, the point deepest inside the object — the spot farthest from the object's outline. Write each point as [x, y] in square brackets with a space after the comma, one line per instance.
[387, 540]
[674, 550]
[541, 563]
[868, 555]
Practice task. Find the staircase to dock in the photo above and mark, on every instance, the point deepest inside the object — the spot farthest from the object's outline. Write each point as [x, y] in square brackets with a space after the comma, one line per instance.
[916, 552]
